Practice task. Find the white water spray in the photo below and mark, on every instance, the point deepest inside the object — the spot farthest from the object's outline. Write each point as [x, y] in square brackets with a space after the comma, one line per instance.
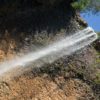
[52, 52]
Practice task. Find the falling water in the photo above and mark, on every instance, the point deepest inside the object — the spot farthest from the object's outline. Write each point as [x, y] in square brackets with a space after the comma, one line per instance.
[49, 54]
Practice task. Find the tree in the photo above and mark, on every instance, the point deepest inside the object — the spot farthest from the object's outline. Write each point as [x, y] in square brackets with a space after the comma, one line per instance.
[86, 5]
[95, 4]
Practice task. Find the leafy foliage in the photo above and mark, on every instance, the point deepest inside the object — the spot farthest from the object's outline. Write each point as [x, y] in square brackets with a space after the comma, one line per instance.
[80, 4]
[95, 4]
[86, 4]
[98, 35]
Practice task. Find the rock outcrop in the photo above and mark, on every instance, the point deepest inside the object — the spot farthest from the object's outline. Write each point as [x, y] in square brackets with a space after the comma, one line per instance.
[33, 23]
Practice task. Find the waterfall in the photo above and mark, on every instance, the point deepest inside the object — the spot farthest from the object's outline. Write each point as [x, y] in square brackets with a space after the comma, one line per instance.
[49, 54]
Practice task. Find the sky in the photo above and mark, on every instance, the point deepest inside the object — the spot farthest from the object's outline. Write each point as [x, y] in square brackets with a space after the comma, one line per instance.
[93, 20]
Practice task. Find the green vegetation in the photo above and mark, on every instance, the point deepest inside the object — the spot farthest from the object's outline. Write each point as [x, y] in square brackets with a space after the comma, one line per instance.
[97, 80]
[86, 4]
[80, 4]
[98, 35]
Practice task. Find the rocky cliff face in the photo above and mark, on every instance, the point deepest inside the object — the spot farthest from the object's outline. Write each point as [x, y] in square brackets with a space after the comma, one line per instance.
[33, 23]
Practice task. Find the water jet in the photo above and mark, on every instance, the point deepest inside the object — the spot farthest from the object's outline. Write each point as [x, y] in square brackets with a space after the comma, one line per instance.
[49, 54]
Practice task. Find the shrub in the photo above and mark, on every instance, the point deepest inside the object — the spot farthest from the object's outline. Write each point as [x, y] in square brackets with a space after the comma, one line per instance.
[86, 4]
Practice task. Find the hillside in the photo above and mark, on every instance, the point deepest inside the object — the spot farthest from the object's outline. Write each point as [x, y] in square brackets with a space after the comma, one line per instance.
[26, 25]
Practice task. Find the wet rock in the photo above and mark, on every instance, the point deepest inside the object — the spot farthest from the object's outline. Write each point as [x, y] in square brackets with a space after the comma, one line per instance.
[97, 45]
[81, 22]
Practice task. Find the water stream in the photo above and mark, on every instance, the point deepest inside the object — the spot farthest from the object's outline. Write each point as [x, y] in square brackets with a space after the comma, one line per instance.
[49, 54]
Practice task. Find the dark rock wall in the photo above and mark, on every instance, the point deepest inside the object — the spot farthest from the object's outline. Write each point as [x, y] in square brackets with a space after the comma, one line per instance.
[37, 18]
[19, 21]
[13, 5]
